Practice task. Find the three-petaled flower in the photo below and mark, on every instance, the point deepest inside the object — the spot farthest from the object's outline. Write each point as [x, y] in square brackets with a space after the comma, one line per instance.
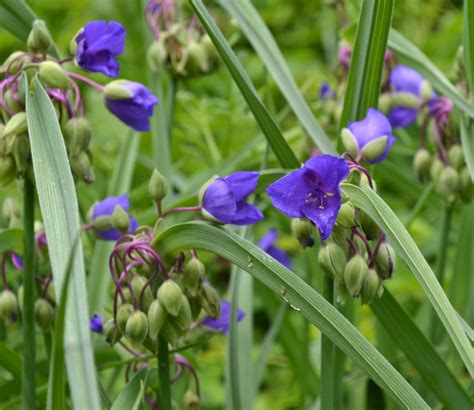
[267, 243]
[312, 192]
[96, 324]
[222, 323]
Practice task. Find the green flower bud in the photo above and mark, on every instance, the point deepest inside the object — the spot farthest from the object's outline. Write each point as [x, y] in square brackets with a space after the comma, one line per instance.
[7, 170]
[465, 185]
[136, 329]
[120, 219]
[15, 125]
[195, 304]
[158, 186]
[210, 301]
[405, 99]
[81, 167]
[426, 90]
[102, 223]
[115, 91]
[436, 168]
[39, 39]
[370, 287]
[123, 314]
[341, 292]
[171, 331]
[422, 164]
[197, 58]
[77, 134]
[385, 261]
[157, 55]
[51, 292]
[21, 153]
[374, 148]
[53, 75]
[456, 157]
[385, 103]
[12, 103]
[194, 272]
[369, 226]
[8, 306]
[346, 216]
[13, 62]
[185, 316]
[303, 230]
[169, 294]
[44, 314]
[448, 184]
[10, 208]
[191, 401]
[349, 142]
[138, 283]
[112, 332]
[157, 315]
[354, 274]
[332, 259]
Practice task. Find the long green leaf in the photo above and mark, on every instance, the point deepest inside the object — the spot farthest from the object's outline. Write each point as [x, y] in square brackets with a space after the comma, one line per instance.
[411, 55]
[400, 239]
[10, 362]
[265, 45]
[133, 392]
[59, 208]
[367, 59]
[11, 240]
[420, 352]
[272, 132]
[299, 294]
[467, 141]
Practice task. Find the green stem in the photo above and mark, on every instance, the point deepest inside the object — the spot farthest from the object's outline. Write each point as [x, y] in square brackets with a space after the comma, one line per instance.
[29, 354]
[420, 203]
[328, 355]
[164, 374]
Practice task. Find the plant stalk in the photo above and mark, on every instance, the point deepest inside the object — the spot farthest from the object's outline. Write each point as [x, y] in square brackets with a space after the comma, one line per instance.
[164, 374]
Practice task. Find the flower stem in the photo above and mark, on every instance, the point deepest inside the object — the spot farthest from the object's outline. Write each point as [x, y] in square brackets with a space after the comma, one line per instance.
[164, 374]
[86, 80]
[29, 354]
[182, 209]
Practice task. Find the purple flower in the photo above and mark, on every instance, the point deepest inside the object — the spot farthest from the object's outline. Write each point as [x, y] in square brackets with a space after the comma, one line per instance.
[222, 323]
[131, 102]
[224, 199]
[312, 192]
[267, 244]
[370, 138]
[106, 208]
[98, 45]
[325, 91]
[95, 324]
[344, 56]
[17, 261]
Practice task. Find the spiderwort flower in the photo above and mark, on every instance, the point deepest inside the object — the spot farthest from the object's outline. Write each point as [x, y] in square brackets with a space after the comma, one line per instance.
[96, 324]
[267, 243]
[131, 102]
[106, 208]
[222, 323]
[370, 138]
[223, 199]
[325, 91]
[17, 261]
[98, 45]
[312, 192]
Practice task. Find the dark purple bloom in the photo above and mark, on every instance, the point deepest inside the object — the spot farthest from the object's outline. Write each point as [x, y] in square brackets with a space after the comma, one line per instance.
[325, 91]
[344, 56]
[98, 45]
[267, 243]
[312, 192]
[41, 240]
[224, 199]
[106, 208]
[95, 324]
[17, 261]
[134, 110]
[375, 126]
[222, 323]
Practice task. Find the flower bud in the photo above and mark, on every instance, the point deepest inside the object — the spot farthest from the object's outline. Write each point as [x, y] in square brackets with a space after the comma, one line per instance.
[354, 274]
[53, 75]
[112, 332]
[210, 301]
[13, 62]
[51, 293]
[7, 170]
[370, 287]
[8, 306]
[81, 167]
[39, 39]
[374, 148]
[465, 185]
[422, 164]
[346, 216]
[426, 90]
[138, 283]
[385, 261]
[77, 134]
[120, 219]
[157, 55]
[15, 125]
[158, 186]
[194, 272]
[44, 314]
[456, 157]
[171, 331]
[341, 292]
[332, 259]
[185, 316]
[195, 304]
[349, 142]
[303, 230]
[12, 103]
[123, 314]
[136, 329]
[436, 168]
[10, 208]
[191, 401]
[197, 58]
[448, 184]
[157, 315]
[169, 294]
[369, 226]
[385, 103]
[405, 99]
[21, 153]
[116, 91]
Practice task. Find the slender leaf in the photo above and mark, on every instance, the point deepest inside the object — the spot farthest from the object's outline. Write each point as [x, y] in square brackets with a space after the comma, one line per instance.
[265, 45]
[300, 296]
[133, 392]
[272, 132]
[59, 208]
[11, 240]
[10, 362]
[467, 141]
[385, 218]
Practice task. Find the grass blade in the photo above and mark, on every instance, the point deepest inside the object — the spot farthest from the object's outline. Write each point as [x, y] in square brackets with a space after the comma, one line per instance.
[467, 141]
[300, 295]
[59, 208]
[127, 399]
[272, 132]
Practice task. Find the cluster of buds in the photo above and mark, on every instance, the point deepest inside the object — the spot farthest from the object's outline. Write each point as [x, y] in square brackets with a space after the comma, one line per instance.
[183, 49]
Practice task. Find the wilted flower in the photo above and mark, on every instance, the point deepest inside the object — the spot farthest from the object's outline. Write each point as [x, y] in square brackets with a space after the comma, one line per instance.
[131, 102]
[344, 56]
[312, 192]
[96, 324]
[17, 261]
[325, 91]
[106, 208]
[222, 323]
[370, 138]
[224, 199]
[267, 243]
[98, 45]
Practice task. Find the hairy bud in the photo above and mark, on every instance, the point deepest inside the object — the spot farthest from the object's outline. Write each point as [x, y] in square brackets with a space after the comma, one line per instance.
[21, 153]
[185, 316]
[39, 39]
[112, 332]
[370, 287]
[123, 314]
[157, 315]
[17, 124]
[138, 283]
[53, 75]
[456, 157]
[44, 314]
[81, 167]
[136, 329]
[77, 134]
[158, 186]
[436, 168]
[332, 259]
[7, 169]
[422, 164]
[465, 185]
[303, 230]
[194, 272]
[169, 295]
[210, 301]
[346, 216]
[385, 261]
[354, 274]
[448, 184]
[8, 306]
